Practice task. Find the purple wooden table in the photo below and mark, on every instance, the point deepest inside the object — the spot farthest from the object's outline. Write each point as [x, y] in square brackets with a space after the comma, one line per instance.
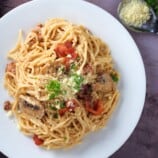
[143, 143]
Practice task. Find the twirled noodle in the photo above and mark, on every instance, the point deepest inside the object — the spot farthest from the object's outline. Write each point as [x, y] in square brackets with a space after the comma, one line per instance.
[63, 83]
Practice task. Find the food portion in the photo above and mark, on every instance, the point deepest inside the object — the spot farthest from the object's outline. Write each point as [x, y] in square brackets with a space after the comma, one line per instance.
[63, 83]
[135, 13]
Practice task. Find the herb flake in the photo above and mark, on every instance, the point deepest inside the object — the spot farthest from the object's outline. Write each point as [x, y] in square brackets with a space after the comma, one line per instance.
[54, 88]
[114, 77]
[55, 115]
[78, 79]
[53, 108]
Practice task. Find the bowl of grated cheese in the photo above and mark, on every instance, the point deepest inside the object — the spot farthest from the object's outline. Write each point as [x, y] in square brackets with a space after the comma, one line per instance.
[138, 16]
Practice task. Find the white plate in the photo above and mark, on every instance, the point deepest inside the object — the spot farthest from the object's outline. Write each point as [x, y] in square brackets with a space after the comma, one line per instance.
[128, 62]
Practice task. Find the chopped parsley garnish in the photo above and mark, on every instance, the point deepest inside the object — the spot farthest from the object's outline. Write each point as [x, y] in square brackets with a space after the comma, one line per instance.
[62, 105]
[52, 96]
[65, 138]
[73, 67]
[54, 88]
[57, 105]
[53, 108]
[55, 115]
[114, 77]
[61, 69]
[64, 92]
[57, 102]
[78, 80]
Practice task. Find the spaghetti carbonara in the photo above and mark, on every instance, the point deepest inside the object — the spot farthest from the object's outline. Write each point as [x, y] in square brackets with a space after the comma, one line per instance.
[63, 83]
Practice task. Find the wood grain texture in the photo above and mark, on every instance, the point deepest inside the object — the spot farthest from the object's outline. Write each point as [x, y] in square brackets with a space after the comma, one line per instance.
[143, 143]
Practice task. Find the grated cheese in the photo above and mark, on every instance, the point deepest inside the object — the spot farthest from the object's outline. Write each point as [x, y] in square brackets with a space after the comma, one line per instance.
[135, 13]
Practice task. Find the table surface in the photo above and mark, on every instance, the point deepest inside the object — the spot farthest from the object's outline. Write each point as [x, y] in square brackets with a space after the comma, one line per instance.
[143, 143]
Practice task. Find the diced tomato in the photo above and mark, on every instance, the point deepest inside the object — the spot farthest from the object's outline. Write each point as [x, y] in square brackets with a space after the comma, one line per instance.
[61, 50]
[62, 111]
[96, 108]
[74, 56]
[66, 62]
[69, 47]
[37, 140]
[64, 49]
[68, 44]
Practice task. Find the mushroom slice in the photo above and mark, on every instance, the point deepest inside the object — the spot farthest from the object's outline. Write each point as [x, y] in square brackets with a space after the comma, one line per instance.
[104, 83]
[31, 107]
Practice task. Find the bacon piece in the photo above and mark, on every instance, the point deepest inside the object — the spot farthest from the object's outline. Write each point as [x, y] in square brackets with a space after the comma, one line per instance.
[37, 140]
[85, 92]
[11, 67]
[7, 105]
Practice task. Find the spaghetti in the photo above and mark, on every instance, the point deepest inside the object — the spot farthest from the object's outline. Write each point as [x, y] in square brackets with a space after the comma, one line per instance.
[63, 83]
